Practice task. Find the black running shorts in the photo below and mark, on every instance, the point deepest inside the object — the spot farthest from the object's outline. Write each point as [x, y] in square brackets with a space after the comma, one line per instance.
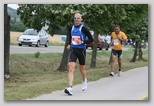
[78, 53]
[117, 52]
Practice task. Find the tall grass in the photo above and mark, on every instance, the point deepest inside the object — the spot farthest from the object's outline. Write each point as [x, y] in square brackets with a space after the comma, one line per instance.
[31, 76]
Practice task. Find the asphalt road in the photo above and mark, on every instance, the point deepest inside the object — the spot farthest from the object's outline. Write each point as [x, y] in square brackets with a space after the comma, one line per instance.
[33, 49]
[41, 49]
[131, 85]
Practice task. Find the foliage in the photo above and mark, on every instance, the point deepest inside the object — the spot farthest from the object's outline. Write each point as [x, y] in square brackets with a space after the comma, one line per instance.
[15, 23]
[137, 22]
[39, 15]
[17, 26]
[98, 17]
[61, 31]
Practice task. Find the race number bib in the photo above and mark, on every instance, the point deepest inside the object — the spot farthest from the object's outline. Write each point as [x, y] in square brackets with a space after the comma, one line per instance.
[116, 42]
[74, 38]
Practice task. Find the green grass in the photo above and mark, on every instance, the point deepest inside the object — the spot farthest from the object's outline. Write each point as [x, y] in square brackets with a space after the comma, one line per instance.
[31, 76]
[56, 44]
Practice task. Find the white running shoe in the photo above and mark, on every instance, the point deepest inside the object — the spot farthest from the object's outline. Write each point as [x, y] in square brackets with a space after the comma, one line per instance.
[84, 84]
[119, 73]
[112, 73]
[68, 91]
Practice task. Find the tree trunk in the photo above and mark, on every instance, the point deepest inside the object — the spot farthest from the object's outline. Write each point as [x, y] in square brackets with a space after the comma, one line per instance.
[110, 57]
[64, 62]
[135, 52]
[94, 53]
[140, 53]
[6, 42]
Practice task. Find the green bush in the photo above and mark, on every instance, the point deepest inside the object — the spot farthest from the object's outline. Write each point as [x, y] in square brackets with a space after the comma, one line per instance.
[37, 54]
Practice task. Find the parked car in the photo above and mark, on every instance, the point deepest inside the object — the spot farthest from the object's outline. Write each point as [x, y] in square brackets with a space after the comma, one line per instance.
[106, 39]
[100, 44]
[32, 37]
[143, 44]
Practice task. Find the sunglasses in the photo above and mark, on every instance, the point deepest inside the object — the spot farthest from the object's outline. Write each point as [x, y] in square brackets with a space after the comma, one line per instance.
[75, 18]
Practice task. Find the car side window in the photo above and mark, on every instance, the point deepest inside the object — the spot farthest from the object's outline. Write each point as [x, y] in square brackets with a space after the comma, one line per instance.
[41, 34]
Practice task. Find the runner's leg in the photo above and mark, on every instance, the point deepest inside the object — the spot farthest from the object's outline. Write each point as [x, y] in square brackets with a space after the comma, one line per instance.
[71, 73]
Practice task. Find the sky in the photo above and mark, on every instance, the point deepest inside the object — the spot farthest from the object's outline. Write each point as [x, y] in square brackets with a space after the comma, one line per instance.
[14, 6]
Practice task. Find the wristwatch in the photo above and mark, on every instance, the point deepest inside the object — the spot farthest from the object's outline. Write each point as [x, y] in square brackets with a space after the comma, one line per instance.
[82, 42]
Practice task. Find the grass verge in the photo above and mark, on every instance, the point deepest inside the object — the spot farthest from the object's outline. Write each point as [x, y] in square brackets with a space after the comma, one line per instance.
[31, 76]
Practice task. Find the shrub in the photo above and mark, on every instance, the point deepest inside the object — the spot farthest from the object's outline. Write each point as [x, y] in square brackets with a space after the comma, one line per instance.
[37, 54]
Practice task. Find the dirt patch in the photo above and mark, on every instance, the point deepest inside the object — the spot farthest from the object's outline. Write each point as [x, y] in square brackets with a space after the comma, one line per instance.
[14, 36]
[55, 39]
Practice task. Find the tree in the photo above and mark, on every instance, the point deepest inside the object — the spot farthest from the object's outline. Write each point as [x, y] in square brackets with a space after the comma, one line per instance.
[64, 60]
[101, 18]
[140, 34]
[6, 42]
[54, 15]
[98, 17]
[134, 22]
[138, 27]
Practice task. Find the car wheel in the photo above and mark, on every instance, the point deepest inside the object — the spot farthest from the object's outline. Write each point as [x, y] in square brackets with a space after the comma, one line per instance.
[38, 44]
[46, 45]
[20, 44]
[30, 45]
[100, 48]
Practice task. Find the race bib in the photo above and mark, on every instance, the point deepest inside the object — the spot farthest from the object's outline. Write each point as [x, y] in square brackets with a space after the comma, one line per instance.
[115, 42]
[74, 38]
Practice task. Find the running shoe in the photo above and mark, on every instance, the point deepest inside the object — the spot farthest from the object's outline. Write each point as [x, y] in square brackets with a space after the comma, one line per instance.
[84, 84]
[68, 91]
[119, 72]
[111, 73]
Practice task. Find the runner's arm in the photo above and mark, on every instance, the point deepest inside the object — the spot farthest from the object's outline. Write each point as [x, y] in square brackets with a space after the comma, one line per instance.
[124, 38]
[69, 36]
[88, 34]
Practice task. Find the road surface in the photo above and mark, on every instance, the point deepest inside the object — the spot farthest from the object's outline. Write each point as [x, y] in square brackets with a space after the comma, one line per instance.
[33, 49]
[131, 85]
[42, 49]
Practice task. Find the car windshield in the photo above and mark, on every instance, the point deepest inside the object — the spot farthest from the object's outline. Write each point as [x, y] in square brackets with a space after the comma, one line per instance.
[30, 32]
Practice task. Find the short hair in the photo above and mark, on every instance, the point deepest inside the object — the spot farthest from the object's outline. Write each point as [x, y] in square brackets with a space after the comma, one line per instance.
[78, 14]
[117, 26]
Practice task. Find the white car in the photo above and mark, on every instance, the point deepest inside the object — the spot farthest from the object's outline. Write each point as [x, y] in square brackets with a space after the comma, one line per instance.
[32, 37]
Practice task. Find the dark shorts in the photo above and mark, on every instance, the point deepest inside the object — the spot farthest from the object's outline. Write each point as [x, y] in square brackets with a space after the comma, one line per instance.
[117, 52]
[78, 53]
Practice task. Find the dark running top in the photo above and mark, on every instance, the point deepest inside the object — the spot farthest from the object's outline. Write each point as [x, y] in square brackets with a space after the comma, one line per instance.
[82, 33]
